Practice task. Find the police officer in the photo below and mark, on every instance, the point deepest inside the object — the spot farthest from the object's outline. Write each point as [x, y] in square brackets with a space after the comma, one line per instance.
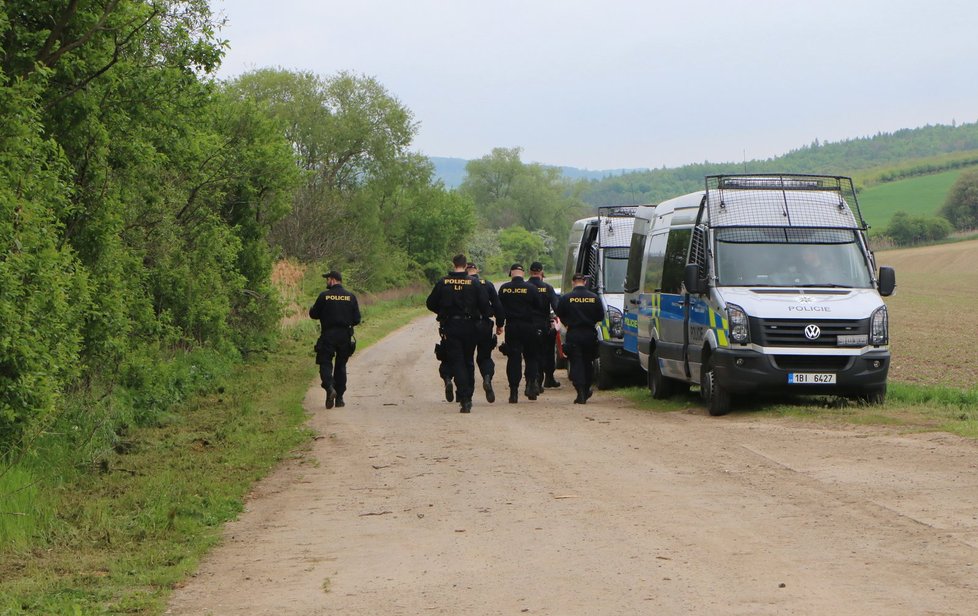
[486, 336]
[547, 335]
[460, 303]
[520, 301]
[338, 312]
[579, 311]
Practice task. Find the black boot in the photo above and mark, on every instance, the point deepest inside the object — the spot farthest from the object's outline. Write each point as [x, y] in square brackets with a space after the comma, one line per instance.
[580, 399]
[466, 407]
[513, 397]
[449, 395]
[531, 391]
[551, 382]
[339, 402]
[487, 387]
[330, 397]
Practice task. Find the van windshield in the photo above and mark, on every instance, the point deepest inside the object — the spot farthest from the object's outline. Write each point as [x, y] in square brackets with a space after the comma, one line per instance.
[615, 266]
[791, 257]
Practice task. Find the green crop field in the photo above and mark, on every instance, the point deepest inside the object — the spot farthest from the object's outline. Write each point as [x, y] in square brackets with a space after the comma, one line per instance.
[920, 196]
[932, 336]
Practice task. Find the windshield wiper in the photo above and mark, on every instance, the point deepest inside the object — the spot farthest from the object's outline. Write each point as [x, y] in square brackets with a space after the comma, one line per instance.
[826, 284]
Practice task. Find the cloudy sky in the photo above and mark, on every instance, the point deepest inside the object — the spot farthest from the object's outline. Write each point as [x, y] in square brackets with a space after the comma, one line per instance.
[603, 84]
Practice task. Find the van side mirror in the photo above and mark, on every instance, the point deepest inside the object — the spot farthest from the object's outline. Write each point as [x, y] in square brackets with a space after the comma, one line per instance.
[691, 278]
[887, 281]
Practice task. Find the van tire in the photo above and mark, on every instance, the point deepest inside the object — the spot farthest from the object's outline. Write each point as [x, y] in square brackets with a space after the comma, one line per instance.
[602, 379]
[659, 386]
[716, 397]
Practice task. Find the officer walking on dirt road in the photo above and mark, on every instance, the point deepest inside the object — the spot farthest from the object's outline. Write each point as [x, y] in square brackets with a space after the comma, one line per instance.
[460, 302]
[520, 301]
[579, 311]
[547, 335]
[487, 337]
[338, 312]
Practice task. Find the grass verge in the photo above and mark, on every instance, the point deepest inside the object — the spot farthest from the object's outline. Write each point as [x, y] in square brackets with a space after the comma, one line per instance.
[129, 529]
[910, 407]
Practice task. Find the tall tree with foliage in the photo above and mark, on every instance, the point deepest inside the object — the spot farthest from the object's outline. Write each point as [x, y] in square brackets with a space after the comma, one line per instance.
[366, 203]
[508, 192]
[961, 205]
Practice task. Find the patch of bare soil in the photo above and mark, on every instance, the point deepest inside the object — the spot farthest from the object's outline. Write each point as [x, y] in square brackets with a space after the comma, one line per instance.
[405, 506]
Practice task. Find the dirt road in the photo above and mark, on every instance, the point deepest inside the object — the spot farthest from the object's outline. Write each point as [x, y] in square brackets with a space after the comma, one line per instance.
[405, 506]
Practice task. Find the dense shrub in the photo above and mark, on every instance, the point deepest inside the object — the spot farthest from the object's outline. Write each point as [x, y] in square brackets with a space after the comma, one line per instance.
[907, 230]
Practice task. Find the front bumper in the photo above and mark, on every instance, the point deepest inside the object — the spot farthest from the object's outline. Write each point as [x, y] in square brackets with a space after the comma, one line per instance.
[741, 371]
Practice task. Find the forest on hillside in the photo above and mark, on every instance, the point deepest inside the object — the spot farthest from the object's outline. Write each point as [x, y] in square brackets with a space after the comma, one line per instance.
[955, 145]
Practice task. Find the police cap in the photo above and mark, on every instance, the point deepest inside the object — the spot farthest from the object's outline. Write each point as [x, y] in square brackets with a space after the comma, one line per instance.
[536, 266]
[515, 266]
[334, 275]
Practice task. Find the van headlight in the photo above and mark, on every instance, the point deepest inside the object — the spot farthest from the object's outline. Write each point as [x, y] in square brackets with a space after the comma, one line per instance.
[616, 323]
[739, 325]
[879, 327]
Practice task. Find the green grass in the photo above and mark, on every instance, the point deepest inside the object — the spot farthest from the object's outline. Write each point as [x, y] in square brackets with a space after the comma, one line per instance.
[116, 536]
[920, 196]
[908, 407]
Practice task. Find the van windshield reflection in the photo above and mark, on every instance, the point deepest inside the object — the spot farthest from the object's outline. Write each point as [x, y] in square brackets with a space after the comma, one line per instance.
[791, 263]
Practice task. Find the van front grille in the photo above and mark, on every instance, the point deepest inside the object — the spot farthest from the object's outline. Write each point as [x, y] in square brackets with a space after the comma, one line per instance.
[792, 332]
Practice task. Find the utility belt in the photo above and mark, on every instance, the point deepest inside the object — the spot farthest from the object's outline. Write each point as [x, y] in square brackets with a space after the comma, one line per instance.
[457, 317]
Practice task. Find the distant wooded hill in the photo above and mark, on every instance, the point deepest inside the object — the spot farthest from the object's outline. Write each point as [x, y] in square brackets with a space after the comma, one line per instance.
[882, 157]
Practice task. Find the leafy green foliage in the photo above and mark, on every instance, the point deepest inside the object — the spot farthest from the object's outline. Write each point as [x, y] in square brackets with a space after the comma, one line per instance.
[518, 245]
[365, 204]
[961, 206]
[908, 230]
[508, 193]
[136, 202]
[884, 156]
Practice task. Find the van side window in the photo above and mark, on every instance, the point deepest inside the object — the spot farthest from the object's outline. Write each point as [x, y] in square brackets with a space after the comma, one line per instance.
[675, 260]
[653, 266]
[634, 271]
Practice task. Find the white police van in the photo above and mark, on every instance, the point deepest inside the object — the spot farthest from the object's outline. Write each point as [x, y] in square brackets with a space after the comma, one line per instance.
[598, 247]
[758, 283]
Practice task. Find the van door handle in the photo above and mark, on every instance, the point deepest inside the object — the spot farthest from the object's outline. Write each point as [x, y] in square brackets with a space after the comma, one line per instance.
[633, 302]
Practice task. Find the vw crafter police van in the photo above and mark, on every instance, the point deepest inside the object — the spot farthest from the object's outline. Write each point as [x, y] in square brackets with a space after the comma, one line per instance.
[598, 247]
[758, 283]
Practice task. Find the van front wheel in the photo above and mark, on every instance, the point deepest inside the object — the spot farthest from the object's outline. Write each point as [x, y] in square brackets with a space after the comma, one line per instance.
[602, 379]
[717, 398]
[660, 386]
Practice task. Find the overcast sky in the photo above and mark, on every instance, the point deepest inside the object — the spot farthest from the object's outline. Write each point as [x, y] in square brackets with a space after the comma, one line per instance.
[604, 84]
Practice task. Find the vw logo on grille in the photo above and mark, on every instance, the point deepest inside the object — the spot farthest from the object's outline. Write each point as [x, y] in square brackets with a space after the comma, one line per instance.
[812, 332]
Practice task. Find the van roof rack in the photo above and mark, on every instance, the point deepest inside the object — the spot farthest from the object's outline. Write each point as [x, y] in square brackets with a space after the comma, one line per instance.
[782, 200]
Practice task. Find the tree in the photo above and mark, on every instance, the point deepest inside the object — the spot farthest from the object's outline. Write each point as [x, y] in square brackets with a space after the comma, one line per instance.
[907, 230]
[961, 205]
[508, 192]
[519, 245]
[347, 132]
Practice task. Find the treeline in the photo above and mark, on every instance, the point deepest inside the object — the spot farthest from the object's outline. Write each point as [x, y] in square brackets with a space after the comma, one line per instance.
[848, 157]
[142, 204]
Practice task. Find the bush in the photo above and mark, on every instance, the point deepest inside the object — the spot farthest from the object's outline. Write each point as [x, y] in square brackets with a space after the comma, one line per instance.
[907, 230]
[961, 205]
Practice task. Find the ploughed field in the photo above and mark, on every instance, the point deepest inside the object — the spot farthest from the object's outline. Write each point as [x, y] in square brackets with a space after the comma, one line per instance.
[933, 328]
